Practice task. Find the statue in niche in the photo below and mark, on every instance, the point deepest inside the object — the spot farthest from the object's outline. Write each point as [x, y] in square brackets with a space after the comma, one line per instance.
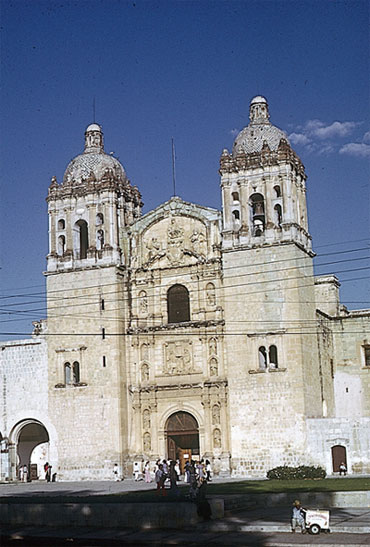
[99, 240]
[145, 373]
[146, 419]
[215, 415]
[144, 352]
[143, 303]
[217, 438]
[147, 445]
[175, 240]
[198, 242]
[213, 367]
[211, 294]
[153, 247]
[178, 358]
[213, 346]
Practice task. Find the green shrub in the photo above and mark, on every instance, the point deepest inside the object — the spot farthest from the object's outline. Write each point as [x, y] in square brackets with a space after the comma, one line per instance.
[301, 472]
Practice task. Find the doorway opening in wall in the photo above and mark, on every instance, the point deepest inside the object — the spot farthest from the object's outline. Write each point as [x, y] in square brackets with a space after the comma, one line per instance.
[339, 456]
[32, 449]
[182, 432]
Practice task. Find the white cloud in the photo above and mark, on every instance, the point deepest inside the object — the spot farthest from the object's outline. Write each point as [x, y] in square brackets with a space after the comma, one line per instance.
[366, 137]
[320, 138]
[359, 149]
[299, 138]
[336, 129]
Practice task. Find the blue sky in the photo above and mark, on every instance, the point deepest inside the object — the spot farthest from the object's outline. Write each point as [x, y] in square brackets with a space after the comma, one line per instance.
[185, 70]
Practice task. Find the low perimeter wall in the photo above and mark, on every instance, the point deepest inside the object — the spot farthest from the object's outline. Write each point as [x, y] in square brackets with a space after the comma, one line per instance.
[358, 499]
[106, 515]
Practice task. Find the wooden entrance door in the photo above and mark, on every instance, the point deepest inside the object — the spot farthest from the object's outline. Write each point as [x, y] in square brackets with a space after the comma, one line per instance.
[184, 455]
[339, 455]
[182, 437]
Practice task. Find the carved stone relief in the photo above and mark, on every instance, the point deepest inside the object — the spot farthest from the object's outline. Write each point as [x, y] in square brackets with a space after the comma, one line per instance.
[143, 303]
[215, 414]
[217, 438]
[213, 367]
[211, 294]
[144, 352]
[212, 346]
[147, 444]
[180, 237]
[146, 419]
[145, 373]
[178, 358]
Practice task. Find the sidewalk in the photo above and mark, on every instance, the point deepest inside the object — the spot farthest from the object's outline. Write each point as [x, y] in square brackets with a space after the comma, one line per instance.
[277, 519]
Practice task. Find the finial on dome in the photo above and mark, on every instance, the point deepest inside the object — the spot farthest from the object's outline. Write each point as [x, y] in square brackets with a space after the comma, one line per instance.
[259, 110]
[94, 138]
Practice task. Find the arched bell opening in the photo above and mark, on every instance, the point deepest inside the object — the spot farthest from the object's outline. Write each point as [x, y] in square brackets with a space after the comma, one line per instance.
[182, 434]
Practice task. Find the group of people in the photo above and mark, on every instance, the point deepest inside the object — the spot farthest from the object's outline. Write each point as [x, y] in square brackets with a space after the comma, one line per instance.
[193, 471]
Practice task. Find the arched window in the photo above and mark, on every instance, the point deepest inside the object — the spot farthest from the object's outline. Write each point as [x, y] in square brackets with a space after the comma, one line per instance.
[278, 216]
[178, 305]
[100, 240]
[235, 196]
[236, 214]
[277, 191]
[76, 372]
[262, 358]
[273, 357]
[257, 209]
[61, 245]
[67, 373]
[99, 219]
[61, 224]
[80, 239]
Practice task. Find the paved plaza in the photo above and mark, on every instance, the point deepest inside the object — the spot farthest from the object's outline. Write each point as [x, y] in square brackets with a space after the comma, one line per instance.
[264, 526]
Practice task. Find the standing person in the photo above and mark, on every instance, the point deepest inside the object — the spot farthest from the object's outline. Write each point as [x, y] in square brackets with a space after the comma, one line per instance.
[136, 471]
[25, 473]
[148, 478]
[200, 469]
[343, 469]
[173, 478]
[115, 472]
[159, 479]
[187, 471]
[165, 467]
[177, 469]
[208, 470]
[298, 517]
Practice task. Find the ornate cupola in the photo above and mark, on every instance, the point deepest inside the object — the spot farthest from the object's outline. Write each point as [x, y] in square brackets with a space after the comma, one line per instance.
[263, 186]
[90, 208]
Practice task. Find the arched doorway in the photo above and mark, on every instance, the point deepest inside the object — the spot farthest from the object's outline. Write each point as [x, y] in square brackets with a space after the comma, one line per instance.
[182, 434]
[339, 455]
[32, 441]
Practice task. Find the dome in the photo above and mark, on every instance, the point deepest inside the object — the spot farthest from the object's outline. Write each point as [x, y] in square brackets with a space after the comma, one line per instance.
[251, 139]
[93, 127]
[92, 165]
[258, 99]
[94, 162]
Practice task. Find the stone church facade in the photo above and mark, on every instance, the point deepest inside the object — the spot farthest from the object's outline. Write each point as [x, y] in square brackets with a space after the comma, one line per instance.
[187, 331]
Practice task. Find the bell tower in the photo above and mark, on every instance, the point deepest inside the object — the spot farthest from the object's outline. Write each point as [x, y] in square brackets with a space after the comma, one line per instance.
[269, 296]
[89, 209]
[263, 185]
[90, 212]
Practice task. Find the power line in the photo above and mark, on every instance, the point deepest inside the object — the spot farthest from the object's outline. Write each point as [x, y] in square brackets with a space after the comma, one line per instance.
[223, 269]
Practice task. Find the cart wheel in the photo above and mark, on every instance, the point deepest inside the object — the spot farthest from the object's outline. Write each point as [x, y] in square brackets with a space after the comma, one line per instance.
[315, 529]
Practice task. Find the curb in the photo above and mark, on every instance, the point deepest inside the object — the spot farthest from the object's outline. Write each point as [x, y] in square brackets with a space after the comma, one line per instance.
[225, 527]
